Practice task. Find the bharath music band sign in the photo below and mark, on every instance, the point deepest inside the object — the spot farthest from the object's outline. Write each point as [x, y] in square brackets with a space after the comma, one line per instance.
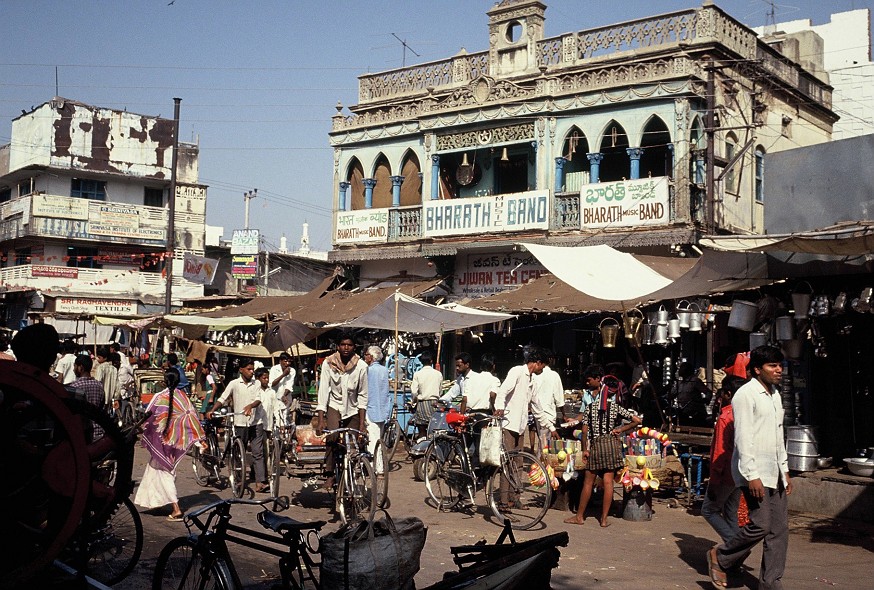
[627, 203]
[358, 227]
[495, 213]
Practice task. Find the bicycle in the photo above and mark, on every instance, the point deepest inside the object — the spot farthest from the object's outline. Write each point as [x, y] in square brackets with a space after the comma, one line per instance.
[394, 434]
[517, 490]
[357, 491]
[234, 456]
[207, 461]
[202, 560]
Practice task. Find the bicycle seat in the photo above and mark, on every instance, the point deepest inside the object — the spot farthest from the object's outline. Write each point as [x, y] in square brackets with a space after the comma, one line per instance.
[277, 523]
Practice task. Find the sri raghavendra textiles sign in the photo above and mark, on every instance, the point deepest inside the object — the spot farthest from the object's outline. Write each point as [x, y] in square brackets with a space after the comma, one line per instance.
[626, 203]
[362, 226]
[487, 274]
[495, 213]
[95, 306]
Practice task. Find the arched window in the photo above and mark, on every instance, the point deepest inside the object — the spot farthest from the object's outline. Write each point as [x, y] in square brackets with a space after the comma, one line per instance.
[615, 162]
[657, 159]
[760, 175]
[576, 166]
[411, 187]
[355, 178]
[382, 190]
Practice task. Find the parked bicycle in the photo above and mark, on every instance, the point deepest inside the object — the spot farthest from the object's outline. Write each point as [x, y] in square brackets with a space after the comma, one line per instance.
[357, 490]
[394, 435]
[518, 489]
[208, 457]
[203, 561]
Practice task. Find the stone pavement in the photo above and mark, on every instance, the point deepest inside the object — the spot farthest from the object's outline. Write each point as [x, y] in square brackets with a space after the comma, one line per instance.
[666, 552]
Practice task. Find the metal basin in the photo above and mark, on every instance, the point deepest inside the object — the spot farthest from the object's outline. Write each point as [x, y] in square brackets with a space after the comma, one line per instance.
[861, 467]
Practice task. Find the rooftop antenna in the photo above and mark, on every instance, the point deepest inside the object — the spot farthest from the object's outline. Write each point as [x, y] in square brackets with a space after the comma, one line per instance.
[57, 93]
[404, 43]
[771, 17]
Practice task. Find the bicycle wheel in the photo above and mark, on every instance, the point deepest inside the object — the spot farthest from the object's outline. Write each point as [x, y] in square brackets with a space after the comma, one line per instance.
[198, 463]
[444, 472]
[381, 468]
[276, 461]
[237, 467]
[181, 566]
[390, 437]
[524, 503]
[356, 492]
[115, 548]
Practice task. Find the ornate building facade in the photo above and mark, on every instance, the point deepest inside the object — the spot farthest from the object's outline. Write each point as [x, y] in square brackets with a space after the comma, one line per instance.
[643, 135]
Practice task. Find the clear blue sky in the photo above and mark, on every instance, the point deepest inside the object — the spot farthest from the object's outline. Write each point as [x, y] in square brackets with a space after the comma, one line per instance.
[259, 79]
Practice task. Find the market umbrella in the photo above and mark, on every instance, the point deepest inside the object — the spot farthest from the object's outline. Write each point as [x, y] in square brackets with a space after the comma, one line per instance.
[286, 333]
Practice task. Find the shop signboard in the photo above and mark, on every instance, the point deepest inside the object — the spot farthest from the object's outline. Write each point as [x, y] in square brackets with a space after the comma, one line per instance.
[80, 229]
[490, 273]
[94, 305]
[625, 203]
[58, 206]
[119, 216]
[244, 267]
[494, 213]
[245, 241]
[198, 269]
[63, 272]
[362, 226]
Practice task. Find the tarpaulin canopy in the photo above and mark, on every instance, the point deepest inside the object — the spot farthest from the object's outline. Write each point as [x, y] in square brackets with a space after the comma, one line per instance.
[217, 324]
[260, 352]
[851, 239]
[406, 314]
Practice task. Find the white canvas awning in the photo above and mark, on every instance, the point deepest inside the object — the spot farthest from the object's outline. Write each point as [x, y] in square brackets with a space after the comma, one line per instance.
[407, 314]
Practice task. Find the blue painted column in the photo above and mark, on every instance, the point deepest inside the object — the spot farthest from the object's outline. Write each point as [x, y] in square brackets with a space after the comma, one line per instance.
[634, 155]
[670, 147]
[396, 190]
[559, 173]
[344, 188]
[369, 183]
[595, 167]
[435, 178]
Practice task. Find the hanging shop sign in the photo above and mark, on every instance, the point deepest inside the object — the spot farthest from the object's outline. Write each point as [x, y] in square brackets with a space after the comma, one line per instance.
[119, 256]
[363, 226]
[244, 267]
[626, 203]
[95, 306]
[494, 213]
[198, 269]
[245, 241]
[57, 206]
[63, 272]
[487, 274]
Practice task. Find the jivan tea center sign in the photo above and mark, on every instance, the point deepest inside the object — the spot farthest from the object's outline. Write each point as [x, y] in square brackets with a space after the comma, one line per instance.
[487, 274]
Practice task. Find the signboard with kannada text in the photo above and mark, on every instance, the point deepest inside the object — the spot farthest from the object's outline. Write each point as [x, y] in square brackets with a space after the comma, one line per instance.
[625, 203]
[490, 273]
[64, 272]
[362, 226]
[493, 213]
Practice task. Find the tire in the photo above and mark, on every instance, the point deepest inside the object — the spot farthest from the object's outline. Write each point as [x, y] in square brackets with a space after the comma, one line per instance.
[381, 468]
[444, 472]
[181, 567]
[114, 550]
[201, 471]
[269, 443]
[419, 469]
[533, 499]
[237, 468]
[359, 502]
[391, 437]
[276, 461]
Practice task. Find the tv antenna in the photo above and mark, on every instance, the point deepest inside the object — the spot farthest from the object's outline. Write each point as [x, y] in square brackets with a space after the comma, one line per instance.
[404, 43]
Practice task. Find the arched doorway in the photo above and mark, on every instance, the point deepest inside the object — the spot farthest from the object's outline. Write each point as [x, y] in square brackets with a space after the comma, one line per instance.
[614, 161]
[657, 158]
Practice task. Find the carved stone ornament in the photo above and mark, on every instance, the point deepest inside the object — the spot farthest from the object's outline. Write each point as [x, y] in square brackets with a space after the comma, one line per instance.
[469, 139]
[481, 88]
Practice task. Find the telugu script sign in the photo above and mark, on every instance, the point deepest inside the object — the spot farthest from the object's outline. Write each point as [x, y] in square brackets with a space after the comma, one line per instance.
[495, 213]
[95, 306]
[487, 274]
[627, 203]
[363, 226]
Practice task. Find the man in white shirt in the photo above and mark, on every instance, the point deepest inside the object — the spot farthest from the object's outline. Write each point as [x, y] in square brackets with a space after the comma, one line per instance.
[481, 389]
[549, 397]
[761, 469]
[64, 366]
[245, 393]
[281, 379]
[463, 372]
[425, 390]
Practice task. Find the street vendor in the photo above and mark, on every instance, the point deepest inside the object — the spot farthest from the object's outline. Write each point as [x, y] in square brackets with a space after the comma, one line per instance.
[425, 390]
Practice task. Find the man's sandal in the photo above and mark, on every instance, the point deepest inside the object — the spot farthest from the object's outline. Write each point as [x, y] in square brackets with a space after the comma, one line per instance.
[717, 574]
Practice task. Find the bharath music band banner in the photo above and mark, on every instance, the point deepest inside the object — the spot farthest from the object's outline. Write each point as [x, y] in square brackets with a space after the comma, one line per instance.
[493, 213]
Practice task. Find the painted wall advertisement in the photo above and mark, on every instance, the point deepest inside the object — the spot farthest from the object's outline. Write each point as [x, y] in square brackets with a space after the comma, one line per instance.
[626, 203]
[198, 269]
[494, 213]
[244, 267]
[487, 274]
[363, 226]
[245, 241]
[95, 306]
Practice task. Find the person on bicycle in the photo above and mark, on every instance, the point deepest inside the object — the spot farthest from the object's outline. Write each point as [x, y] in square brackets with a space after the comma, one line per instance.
[425, 390]
[245, 392]
[342, 401]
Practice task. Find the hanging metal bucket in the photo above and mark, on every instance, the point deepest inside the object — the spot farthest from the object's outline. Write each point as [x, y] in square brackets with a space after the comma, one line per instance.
[785, 328]
[683, 314]
[662, 317]
[742, 316]
[801, 300]
[793, 349]
[661, 335]
[632, 322]
[648, 333]
[674, 328]
[609, 332]
[758, 339]
[696, 318]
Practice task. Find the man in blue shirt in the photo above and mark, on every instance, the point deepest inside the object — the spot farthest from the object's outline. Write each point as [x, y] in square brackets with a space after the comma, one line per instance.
[380, 400]
[173, 363]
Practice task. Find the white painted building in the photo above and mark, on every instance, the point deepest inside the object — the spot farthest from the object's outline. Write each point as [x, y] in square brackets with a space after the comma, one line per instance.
[84, 212]
[846, 49]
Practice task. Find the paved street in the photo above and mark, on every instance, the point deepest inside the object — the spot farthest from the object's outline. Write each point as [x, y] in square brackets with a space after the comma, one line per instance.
[666, 552]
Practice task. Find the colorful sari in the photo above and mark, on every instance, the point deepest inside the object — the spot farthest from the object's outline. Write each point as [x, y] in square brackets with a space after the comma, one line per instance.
[168, 444]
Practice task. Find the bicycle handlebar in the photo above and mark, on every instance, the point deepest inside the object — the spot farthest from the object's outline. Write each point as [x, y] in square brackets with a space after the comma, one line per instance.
[342, 430]
[191, 516]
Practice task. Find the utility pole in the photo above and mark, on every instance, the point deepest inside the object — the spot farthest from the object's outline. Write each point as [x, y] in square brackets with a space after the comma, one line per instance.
[710, 154]
[171, 205]
[246, 198]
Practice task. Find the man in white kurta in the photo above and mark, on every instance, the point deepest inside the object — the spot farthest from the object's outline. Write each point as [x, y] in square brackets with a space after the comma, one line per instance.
[549, 398]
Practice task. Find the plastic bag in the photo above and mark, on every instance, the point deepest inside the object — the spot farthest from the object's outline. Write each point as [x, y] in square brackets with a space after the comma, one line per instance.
[490, 446]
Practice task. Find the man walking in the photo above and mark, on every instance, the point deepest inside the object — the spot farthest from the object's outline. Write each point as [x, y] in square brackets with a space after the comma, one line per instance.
[281, 378]
[425, 391]
[90, 389]
[761, 469]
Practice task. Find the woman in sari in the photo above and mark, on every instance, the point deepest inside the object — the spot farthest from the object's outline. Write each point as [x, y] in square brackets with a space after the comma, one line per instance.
[168, 434]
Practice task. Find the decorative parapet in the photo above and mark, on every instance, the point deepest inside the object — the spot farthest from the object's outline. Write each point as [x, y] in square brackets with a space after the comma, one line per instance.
[393, 84]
